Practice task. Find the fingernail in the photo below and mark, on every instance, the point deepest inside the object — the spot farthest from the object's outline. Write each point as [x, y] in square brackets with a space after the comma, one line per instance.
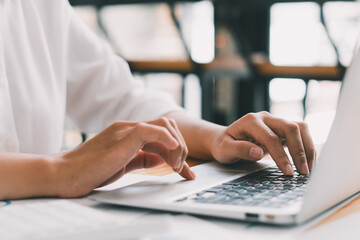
[289, 170]
[304, 168]
[311, 165]
[174, 144]
[256, 153]
[193, 175]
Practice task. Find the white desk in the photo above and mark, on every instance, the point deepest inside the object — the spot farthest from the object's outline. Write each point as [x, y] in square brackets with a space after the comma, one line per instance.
[144, 224]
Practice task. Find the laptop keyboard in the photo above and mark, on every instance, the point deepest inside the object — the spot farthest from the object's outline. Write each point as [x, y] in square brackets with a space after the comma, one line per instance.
[265, 188]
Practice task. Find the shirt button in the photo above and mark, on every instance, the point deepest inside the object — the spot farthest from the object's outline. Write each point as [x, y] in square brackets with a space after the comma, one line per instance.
[9, 146]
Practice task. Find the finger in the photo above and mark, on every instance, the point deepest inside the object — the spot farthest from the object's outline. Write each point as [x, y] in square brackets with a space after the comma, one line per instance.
[236, 150]
[144, 133]
[291, 132]
[308, 144]
[183, 144]
[187, 173]
[266, 137]
[175, 157]
[147, 160]
[158, 149]
[144, 160]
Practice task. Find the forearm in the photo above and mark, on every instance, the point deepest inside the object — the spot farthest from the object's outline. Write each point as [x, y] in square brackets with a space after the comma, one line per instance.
[26, 175]
[199, 135]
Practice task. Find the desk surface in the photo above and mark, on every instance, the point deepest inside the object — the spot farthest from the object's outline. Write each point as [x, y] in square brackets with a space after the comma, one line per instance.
[351, 207]
[59, 219]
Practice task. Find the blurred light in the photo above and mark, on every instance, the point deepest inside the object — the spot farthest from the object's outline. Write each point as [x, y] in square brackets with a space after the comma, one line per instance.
[343, 21]
[297, 36]
[203, 32]
[287, 89]
[143, 32]
[314, 89]
[193, 96]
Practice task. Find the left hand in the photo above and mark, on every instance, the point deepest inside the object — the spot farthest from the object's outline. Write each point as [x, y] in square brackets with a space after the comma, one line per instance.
[155, 154]
[117, 150]
[253, 135]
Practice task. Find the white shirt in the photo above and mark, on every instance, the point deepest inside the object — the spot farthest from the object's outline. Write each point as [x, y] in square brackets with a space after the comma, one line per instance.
[51, 65]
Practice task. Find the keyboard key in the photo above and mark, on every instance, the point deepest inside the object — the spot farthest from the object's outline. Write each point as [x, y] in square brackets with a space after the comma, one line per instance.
[266, 188]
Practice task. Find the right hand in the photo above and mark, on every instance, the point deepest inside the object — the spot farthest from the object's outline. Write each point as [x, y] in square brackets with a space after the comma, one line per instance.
[264, 133]
[119, 149]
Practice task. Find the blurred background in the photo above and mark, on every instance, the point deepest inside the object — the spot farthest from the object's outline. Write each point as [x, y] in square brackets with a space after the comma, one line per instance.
[221, 59]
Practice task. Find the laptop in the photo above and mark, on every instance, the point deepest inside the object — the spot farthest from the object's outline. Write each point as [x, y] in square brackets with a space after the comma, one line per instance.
[259, 192]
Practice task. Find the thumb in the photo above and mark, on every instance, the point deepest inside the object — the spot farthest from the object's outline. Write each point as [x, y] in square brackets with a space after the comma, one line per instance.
[240, 149]
[141, 160]
[144, 160]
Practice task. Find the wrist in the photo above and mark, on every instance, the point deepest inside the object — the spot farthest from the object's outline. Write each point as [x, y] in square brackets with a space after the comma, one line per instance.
[214, 140]
[75, 173]
[46, 179]
[54, 164]
[200, 136]
[65, 178]
[211, 133]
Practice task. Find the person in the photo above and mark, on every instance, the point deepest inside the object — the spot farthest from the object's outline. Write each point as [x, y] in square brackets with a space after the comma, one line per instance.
[52, 65]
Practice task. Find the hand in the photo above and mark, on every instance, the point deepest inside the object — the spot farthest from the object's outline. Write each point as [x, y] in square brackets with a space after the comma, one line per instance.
[119, 149]
[253, 135]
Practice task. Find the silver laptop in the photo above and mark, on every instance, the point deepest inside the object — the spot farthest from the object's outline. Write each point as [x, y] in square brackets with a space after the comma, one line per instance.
[259, 192]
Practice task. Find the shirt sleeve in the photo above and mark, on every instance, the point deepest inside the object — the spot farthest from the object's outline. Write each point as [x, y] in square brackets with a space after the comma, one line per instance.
[100, 86]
